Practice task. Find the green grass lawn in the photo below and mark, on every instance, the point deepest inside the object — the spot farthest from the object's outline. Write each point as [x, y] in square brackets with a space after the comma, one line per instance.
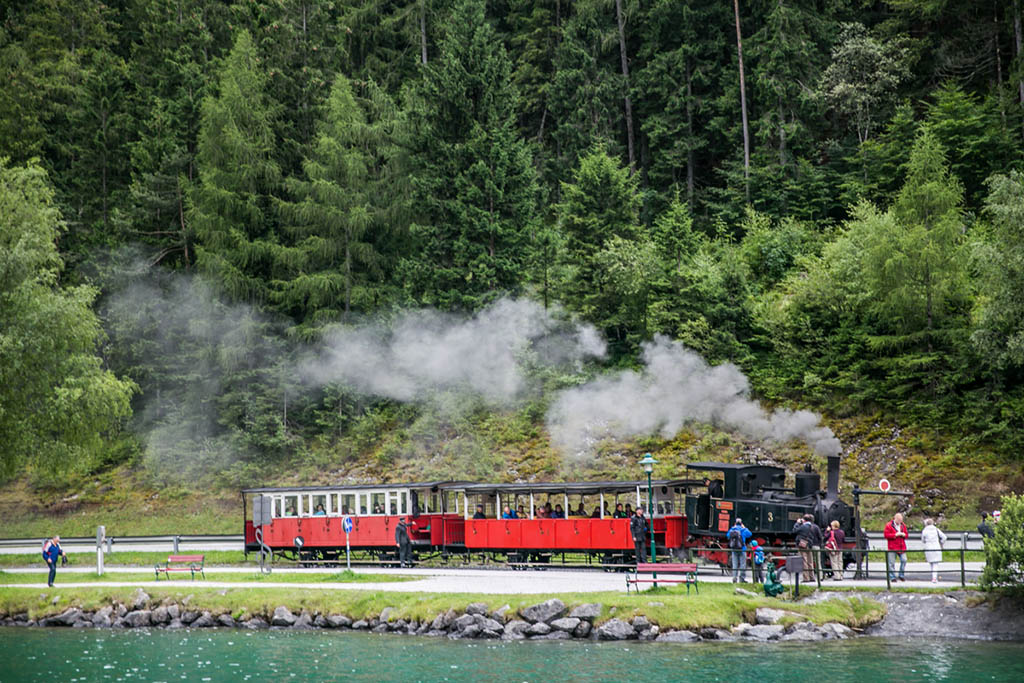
[129, 559]
[715, 606]
[150, 577]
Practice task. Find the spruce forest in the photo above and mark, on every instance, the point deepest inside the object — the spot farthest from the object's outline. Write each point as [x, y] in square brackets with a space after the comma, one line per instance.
[195, 194]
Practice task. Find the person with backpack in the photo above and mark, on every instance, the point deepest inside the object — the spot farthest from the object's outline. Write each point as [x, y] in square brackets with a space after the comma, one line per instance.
[808, 538]
[738, 536]
[834, 539]
[51, 551]
[757, 562]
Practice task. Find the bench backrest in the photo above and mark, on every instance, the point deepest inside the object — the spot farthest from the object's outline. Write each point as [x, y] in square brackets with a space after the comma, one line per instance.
[666, 568]
[185, 558]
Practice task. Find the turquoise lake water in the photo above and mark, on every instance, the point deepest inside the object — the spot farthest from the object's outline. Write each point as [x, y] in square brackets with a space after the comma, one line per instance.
[74, 655]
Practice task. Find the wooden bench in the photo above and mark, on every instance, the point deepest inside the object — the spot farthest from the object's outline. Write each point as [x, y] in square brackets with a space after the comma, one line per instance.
[677, 573]
[182, 563]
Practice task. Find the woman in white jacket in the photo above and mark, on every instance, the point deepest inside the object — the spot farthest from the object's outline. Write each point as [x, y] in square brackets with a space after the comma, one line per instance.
[933, 540]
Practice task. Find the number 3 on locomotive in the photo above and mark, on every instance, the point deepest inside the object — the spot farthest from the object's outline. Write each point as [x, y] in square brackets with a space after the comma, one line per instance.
[771, 516]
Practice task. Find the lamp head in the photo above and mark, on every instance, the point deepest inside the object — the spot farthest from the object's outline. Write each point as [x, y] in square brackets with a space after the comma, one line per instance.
[648, 463]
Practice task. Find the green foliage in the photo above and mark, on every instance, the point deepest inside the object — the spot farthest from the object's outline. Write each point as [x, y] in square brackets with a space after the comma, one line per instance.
[1004, 554]
[474, 184]
[57, 401]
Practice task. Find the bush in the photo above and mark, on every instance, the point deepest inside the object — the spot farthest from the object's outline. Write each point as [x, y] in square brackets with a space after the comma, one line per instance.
[1004, 554]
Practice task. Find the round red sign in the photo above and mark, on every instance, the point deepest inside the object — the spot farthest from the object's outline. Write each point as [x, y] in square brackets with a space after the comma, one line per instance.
[884, 485]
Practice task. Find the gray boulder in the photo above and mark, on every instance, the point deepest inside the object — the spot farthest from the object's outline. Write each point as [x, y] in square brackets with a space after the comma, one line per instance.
[490, 634]
[139, 599]
[205, 620]
[764, 632]
[82, 623]
[588, 611]
[226, 620]
[678, 637]
[160, 616]
[567, 624]
[515, 629]
[380, 628]
[338, 621]
[175, 623]
[138, 618]
[615, 629]
[305, 621]
[582, 630]
[544, 612]
[744, 591]
[443, 621]
[385, 614]
[256, 624]
[397, 625]
[838, 630]
[189, 616]
[500, 613]
[321, 621]
[424, 627]
[488, 624]
[770, 615]
[808, 634]
[360, 625]
[538, 629]
[641, 623]
[463, 622]
[476, 608]
[471, 631]
[282, 617]
[173, 611]
[102, 618]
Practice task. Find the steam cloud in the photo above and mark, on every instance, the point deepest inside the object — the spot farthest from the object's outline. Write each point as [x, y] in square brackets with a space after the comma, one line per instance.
[427, 352]
[675, 388]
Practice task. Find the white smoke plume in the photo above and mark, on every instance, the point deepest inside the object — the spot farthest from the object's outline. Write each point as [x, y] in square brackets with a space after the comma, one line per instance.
[674, 389]
[427, 352]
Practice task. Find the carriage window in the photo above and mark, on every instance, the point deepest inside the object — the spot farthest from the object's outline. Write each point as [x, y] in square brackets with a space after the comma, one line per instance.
[377, 500]
[393, 503]
[348, 503]
[278, 509]
[364, 505]
[319, 504]
[291, 506]
[403, 502]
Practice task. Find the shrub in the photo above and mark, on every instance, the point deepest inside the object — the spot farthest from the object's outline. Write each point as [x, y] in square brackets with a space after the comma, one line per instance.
[1004, 554]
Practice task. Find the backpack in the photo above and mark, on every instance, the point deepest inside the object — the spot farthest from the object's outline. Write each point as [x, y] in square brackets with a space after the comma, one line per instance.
[735, 539]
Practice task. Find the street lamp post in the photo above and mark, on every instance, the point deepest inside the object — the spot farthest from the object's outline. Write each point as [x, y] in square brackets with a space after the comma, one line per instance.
[648, 464]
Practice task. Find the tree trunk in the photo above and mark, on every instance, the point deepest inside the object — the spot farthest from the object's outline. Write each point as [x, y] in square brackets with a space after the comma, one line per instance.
[348, 275]
[1017, 41]
[625, 76]
[782, 134]
[689, 133]
[423, 32]
[743, 103]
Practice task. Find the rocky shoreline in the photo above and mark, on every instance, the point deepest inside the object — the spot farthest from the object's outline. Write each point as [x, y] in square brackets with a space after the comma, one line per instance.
[548, 620]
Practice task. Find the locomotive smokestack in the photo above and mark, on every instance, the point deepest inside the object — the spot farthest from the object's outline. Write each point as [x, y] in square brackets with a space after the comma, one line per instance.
[832, 483]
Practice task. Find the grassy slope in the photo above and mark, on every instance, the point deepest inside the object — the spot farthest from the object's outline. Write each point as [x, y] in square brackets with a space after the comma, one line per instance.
[949, 480]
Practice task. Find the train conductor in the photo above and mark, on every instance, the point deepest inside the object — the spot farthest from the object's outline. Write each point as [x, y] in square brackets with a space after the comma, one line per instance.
[403, 543]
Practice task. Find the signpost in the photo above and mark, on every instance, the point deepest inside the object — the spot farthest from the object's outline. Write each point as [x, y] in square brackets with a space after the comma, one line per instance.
[101, 535]
[346, 524]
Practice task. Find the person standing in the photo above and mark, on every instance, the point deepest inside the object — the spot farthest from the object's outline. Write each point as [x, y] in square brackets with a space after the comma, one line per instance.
[896, 535]
[984, 528]
[639, 529]
[756, 562]
[403, 543]
[738, 536]
[808, 540]
[51, 551]
[933, 540]
[834, 539]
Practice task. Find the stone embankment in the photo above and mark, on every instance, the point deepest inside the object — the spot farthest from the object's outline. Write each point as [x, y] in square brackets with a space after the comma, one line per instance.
[549, 620]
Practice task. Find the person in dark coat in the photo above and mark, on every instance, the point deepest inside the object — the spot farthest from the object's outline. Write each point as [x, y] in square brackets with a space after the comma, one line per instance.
[984, 528]
[403, 543]
[808, 539]
[619, 512]
[479, 514]
[639, 528]
[51, 551]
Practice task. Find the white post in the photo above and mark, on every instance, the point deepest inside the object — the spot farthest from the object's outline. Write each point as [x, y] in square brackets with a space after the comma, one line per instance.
[602, 504]
[531, 504]
[101, 532]
[348, 554]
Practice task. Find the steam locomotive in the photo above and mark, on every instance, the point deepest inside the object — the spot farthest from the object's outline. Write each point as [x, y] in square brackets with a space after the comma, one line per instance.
[456, 519]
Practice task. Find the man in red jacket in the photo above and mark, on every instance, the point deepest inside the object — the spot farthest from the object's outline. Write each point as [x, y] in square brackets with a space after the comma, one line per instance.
[896, 535]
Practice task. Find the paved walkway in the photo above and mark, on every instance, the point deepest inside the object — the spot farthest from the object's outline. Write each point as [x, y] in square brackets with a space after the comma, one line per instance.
[445, 580]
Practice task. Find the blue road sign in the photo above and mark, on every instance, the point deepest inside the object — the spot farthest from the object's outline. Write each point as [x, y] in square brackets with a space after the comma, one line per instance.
[346, 524]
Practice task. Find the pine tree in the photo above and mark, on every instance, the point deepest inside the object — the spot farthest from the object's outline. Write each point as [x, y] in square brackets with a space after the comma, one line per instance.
[232, 211]
[474, 182]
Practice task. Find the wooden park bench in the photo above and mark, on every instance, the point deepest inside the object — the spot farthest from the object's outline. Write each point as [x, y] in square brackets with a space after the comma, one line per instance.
[677, 573]
[182, 563]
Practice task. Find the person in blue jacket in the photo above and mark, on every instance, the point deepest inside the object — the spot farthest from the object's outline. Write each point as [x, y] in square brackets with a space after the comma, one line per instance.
[51, 551]
[737, 537]
[756, 562]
